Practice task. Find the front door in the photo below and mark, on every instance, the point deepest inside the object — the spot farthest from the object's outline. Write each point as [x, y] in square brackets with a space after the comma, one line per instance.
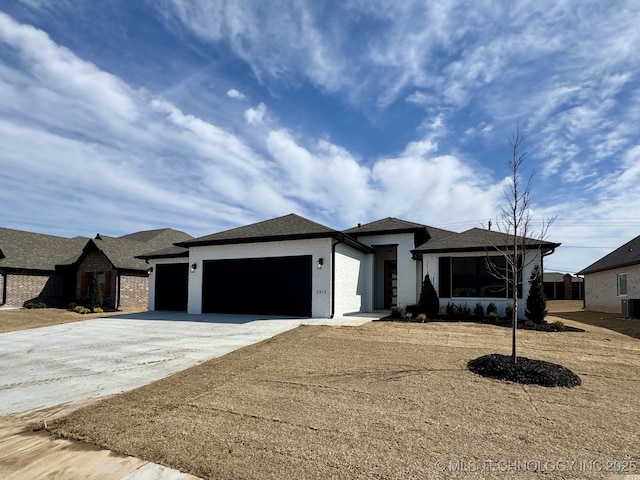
[390, 283]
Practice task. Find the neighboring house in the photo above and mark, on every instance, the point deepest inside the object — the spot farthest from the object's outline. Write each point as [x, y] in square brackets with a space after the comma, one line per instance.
[292, 266]
[28, 266]
[614, 280]
[56, 270]
[562, 286]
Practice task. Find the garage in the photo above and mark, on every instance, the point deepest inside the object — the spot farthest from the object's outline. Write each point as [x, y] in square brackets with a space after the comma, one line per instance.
[172, 286]
[266, 286]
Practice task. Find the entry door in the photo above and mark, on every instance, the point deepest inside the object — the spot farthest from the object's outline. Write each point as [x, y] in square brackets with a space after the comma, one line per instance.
[390, 283]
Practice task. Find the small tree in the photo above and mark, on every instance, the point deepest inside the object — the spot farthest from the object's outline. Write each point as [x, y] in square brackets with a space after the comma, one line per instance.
[518, 233]
[429, 302]
[96, 298]
[536, 300]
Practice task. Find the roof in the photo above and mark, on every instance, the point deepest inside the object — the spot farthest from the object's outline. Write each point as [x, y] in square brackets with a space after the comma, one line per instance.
[386, 225]
[477, 239]
[169, 252]
[287, 227]
[624, 256]
[127, 252]
[36, 251]
[558, 277]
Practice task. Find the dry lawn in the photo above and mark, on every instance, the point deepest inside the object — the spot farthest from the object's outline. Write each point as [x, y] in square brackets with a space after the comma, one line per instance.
[12, 319]
[383, 400]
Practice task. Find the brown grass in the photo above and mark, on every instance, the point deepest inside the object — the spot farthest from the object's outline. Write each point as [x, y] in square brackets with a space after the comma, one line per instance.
[13, 319]
[384, 400]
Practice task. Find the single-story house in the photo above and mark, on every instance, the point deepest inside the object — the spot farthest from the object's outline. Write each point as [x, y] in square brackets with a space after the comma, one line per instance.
[613, 282]
[562, 286]
[55, 270]
[293, 266]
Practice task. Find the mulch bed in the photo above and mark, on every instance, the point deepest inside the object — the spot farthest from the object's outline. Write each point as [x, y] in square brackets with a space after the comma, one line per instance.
[525, 370]
[524, 325]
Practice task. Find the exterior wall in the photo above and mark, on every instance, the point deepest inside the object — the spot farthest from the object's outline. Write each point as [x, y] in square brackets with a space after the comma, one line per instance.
[30, 286]
[317, 248]
[97, 262]
[601, 289]
[353, 281]
[431, 267]
[134, 292]
[151, 305]
[408, 268]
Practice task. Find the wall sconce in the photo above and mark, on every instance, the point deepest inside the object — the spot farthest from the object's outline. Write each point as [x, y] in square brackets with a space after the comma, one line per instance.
[194, 266]
[150, 271]
[320, 263]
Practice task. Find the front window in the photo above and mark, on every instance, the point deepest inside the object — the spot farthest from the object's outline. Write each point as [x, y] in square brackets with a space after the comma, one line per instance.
[471, 277]
[622, 284]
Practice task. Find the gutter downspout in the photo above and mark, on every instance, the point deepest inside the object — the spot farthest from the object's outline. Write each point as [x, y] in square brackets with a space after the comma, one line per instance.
[4, 286]
[333, 274]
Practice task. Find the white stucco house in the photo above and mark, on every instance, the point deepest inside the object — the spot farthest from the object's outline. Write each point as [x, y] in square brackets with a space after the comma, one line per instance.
[293, 266]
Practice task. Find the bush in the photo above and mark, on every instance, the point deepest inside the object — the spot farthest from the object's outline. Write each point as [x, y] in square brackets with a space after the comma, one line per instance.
[72, 306]
[97, 310]
[96, 299]
[509, 311]
[397, 313]
[493, 317]
[478, 312]
[421, 318]
[559, 325]
[450, 310]
[536, 301]
[429, 302]
[81, 310]
[464, 312]
[412, 309]
[491, 308]
[31, 305]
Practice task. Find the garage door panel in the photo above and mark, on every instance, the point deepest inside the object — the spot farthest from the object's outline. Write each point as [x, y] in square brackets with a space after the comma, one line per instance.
[269, 286]
[172, 286]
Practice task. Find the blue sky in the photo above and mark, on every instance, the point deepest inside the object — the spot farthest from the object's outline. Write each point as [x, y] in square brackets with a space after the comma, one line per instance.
[119, 116]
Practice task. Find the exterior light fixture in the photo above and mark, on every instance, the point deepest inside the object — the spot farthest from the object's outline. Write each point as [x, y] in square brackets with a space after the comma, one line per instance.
[194, 266]
[320, 263]
[150, 271]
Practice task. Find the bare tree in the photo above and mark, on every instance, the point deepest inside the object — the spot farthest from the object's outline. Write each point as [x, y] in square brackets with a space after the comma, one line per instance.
[518, 234]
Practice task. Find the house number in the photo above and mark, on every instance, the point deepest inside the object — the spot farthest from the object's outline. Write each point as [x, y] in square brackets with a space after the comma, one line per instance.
[321, 292]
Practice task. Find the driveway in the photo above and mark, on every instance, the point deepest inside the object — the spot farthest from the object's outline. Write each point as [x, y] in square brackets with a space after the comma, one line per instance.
[72, 363]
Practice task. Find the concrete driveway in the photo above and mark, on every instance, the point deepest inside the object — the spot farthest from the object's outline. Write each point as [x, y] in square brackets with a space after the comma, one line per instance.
[75, 362]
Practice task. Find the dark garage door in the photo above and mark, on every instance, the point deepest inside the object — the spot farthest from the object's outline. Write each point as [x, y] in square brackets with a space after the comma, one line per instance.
[172, 286]
[267, 286]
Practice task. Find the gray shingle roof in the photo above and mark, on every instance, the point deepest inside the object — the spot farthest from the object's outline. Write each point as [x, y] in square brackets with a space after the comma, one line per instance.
[624, 256]
[169, 252]
[36, 251]
[385, 225]
[558, 277]
[477, 239]
[287, 227]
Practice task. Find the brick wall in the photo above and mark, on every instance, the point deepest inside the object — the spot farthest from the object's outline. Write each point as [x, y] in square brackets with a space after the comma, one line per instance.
[601, 289]
[134, 292]
[28, 286]
[96, 262]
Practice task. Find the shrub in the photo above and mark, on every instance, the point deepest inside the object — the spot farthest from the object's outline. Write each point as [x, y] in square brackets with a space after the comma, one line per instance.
[464, 312]
[31, 305]
[97, 310]
[72, 306]
[429, 302]
[412, 309]
[491, 308]
[81, 310]
[509, 311]
[493, 317]
[397, 313]
[558, 325]
[536, 301]
[478, 312]
[421, 318]
[450, 309]
[96, 299]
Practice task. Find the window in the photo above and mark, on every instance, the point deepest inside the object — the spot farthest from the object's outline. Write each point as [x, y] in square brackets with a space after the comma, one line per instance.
[622, 284]
[470, 277]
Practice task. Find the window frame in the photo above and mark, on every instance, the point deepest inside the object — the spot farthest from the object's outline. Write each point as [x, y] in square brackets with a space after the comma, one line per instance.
[619, 277]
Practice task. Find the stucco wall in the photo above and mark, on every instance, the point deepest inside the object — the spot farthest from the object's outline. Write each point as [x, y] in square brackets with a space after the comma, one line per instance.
[431, 266]
[317, 248]
[408, 268]
[353, 281]
[601, 289]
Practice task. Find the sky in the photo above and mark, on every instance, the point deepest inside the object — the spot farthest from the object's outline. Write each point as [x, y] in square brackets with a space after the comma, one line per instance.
[118, 116]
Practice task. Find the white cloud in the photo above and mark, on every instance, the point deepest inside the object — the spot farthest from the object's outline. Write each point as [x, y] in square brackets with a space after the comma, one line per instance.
[233, 93]
[255, 115]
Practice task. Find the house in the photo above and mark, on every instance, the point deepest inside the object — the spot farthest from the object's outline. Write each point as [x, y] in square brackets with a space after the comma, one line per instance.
[293, 266]
[562, 286]
[56, 270]
[614, 280]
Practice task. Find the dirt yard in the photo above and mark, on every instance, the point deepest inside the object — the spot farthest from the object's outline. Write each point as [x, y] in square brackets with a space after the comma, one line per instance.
[12, 319]
[383, 400]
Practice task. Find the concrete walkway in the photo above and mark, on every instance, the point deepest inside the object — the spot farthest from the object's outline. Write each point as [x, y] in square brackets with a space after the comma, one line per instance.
[51, 370]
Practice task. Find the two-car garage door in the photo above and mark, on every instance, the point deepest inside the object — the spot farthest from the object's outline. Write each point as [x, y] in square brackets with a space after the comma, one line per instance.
[268, 286]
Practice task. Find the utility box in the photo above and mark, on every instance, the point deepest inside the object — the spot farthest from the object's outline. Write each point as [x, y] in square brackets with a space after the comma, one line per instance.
[630, 308]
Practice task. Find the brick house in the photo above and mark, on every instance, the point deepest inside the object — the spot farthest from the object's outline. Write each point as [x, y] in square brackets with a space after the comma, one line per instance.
[562, 286]
[55, 270]
[614, 280]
